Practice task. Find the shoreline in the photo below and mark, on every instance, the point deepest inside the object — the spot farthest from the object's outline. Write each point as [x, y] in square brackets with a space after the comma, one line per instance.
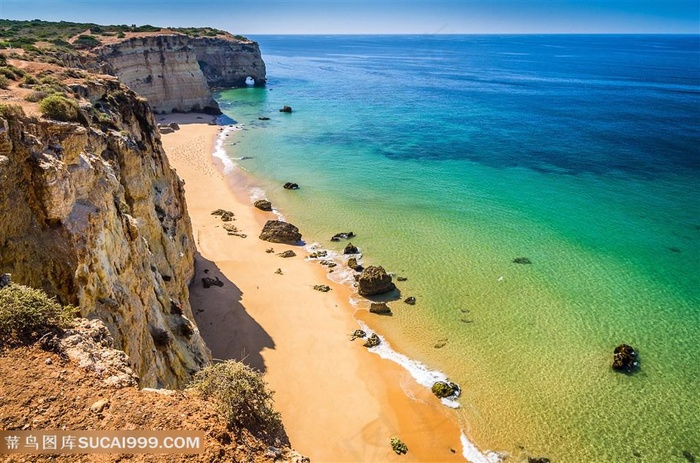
[338, 402]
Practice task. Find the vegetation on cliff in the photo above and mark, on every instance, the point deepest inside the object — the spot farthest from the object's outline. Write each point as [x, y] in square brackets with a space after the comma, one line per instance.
[26, 314]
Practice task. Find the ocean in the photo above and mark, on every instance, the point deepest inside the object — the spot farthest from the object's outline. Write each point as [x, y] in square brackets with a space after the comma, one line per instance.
[451, 156]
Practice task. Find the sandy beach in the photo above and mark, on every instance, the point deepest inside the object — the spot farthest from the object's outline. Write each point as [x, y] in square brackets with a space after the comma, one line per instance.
[338, 401]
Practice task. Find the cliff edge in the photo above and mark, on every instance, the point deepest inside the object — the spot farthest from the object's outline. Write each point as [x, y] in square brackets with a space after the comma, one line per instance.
[175, 72]
[93, 214]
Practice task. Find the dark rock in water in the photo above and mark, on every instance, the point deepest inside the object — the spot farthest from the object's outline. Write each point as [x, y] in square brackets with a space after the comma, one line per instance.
[676, 250]
[625, 358]
[5, 280]
[352, 263]
[398, 446]
[401, 279]
[357, 334]
[291, 186]
[443, 389]
[343, 236]
[410, 300]
[263, 118]
[372, 341]
[263, 205]
[350, 249]
[287, 254]
[209, 282]
[277, 231]
[380, 308]
[537, 460]
[286, 109]
[522, 260]
[440, 343]
[374, 280]
[322, 288]
[689, 456]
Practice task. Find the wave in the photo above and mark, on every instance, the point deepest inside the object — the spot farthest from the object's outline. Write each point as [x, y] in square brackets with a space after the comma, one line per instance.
[220, 151]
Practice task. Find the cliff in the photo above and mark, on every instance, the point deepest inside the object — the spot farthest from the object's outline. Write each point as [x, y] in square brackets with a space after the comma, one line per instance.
[93, 214]
[176, 72]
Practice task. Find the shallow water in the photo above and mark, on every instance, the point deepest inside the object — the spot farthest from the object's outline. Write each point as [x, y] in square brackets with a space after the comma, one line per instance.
[451, 156]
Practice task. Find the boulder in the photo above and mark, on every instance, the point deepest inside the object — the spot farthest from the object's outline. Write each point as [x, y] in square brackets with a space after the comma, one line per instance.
[286, 109]
[410, 300]
[209, 282]
[624, 358]
[277, 231]
[372, 341]
[174, 126]
[374, 280]
[290, 186]
[318, 254]
[350, 249]
[286, 254]
[352, 263]
[522, 260]
[380, 308]
[443, 389]
[322, 288]
[357, 334]
[398, 446]
[263, 205]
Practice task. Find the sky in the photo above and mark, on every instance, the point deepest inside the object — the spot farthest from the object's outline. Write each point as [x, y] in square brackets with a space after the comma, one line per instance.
[253, 17]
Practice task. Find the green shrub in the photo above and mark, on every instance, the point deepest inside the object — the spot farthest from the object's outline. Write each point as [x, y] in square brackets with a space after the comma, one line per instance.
[59, 108]
[7, 72]
[26, 314]
[86, 41]
[30, 80]
[11, 110]
[241, 395]
[4, 81]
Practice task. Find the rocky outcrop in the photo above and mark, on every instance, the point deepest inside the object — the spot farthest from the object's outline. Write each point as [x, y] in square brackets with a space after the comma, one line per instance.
[374, 280]
[351, 249]
[95, 216]
[176, 72]
[443, 389]
[263, 205]
[277, 231]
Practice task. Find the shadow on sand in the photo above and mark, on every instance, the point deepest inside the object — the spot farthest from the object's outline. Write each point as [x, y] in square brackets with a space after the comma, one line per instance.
[223, 321]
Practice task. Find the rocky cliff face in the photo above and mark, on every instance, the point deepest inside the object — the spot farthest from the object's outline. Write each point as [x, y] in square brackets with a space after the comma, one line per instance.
[93, 214]
[175, 72]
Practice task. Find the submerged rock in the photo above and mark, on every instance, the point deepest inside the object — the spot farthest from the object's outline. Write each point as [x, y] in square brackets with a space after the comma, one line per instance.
[688, 456]
[372, 341]
[398, 446]
[263, 205]
[342, 235]
[380, 308]
[277, 231]
[522, 260]
[443, 389]
[401, 279]
[625, 358]
[410, 300]
[374, 280]
[290, 186]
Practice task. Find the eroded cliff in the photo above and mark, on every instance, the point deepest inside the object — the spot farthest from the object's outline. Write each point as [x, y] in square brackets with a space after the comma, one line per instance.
[176, 72]
[93, 214]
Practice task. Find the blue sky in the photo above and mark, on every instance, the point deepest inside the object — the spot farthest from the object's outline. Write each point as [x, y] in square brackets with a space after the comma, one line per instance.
[378, 16]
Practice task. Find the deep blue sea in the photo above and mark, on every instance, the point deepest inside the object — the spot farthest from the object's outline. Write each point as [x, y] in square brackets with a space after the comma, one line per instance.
[449, 157]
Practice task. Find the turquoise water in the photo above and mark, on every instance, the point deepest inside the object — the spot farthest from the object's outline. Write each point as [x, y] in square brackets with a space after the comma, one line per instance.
[451, 156]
